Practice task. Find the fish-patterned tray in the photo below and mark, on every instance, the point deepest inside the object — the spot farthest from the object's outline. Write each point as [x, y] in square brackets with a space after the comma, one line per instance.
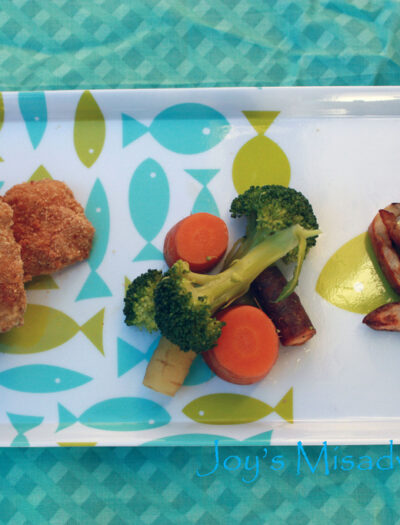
[138, 161]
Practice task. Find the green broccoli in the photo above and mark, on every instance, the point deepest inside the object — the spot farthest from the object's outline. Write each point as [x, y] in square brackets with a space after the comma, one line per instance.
[139, 302]
[269, 209]
[186, 301]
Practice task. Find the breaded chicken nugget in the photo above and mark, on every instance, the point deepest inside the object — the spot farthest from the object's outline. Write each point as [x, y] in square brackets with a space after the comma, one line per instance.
[50, 226]
[12, 292]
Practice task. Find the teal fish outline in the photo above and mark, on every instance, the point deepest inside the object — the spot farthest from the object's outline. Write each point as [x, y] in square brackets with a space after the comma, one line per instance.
[33, 109]
[149, 197]
[129, 356]
[205, 201]
[121, 414]
[262, 439]
[188, 128]
[199, 372]
[98, 212]
[42, 379]
[22, 425]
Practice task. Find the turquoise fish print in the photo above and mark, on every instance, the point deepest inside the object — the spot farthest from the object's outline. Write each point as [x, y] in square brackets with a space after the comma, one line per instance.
[22, 425]
[204, 202]
[34, 112]
[121, 414]
[45, 328]
[129, 356]
[187, 128]
[263, 439]
[41, 379]
[97, 211]
[199, 373]
[236, 409]
[148, 205]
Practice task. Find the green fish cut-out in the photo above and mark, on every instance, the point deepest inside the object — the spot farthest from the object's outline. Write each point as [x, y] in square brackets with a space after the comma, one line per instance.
[260, 161]
[46, 328]
[89, 129]
[236, 409]
[77, 444]
[352, 278]
[42, 282]
[40, 174]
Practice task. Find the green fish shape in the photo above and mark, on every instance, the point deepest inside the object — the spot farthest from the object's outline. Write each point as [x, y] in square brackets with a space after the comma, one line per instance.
[260, 161]
[89, 129]
[352, 278]
[236, 409]
[46, 328]
[42, 282]
[76, 443]
[40, 174]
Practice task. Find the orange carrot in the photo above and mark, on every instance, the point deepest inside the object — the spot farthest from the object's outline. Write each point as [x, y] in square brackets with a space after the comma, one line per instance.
[200, 239]
[247, 348]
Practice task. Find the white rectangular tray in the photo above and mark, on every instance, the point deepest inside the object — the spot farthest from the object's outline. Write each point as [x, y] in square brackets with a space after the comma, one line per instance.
[176, 149]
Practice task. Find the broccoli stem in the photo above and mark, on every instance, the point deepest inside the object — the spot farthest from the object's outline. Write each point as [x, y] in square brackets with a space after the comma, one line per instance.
[291, 285]
[168, 368]
[244, 244]
[222, 289]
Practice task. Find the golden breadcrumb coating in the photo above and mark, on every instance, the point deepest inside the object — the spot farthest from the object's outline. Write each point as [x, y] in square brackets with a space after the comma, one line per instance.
[49, 225]
[12, 292]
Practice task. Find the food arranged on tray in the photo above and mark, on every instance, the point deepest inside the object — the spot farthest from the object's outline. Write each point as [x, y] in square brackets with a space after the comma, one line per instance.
[196, 312]
[210, 304]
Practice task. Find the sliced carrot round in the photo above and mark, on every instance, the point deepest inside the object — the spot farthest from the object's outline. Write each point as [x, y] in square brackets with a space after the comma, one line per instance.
[247, 348]
[200, 239]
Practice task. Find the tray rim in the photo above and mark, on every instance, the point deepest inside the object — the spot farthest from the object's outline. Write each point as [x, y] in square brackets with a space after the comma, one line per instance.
[393, 91]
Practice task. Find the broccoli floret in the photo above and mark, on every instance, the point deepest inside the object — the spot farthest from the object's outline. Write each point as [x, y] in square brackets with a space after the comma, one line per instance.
[139, 301]
[270, 209]
[186, 301]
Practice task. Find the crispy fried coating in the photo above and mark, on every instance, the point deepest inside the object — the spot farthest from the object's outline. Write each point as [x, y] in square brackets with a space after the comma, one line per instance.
[49, 225]
[12, 292]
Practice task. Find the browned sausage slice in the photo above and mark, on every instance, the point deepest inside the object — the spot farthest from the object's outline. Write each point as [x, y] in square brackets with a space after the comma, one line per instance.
[393, 227]
[386, 317]
[382, 245]
[289, 317]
